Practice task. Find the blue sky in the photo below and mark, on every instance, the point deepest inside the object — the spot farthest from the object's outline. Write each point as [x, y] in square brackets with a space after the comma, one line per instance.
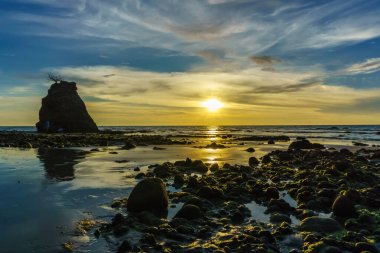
[145, 62]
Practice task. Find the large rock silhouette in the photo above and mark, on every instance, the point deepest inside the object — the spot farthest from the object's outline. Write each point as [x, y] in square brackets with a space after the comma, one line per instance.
[63, 110]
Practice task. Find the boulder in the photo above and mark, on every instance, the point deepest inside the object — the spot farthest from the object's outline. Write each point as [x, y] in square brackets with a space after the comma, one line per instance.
[149, 195]
[199, 166]
[214, 167]
[366, 247]
[164, 170]
[179, 180]
[279, 218]
[272, 193]
[63, 110]
[237, 217]
[342, 166]
[344, 207]
[321, 225]
[250, 150]
[124, 247]
[209, 192]
[266, 159]
[189, 212]
[253, 161]
[128, 145]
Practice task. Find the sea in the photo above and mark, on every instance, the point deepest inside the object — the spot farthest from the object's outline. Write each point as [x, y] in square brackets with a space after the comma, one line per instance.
[346, 134]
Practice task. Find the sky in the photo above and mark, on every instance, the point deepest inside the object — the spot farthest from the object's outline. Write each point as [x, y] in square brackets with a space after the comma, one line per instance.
[149, 62]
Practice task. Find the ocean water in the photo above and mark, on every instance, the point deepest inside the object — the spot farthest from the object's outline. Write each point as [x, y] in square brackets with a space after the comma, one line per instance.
[345, 134]
[44, 193]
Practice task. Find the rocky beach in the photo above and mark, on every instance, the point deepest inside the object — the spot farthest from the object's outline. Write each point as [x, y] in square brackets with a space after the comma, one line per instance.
[217, 190]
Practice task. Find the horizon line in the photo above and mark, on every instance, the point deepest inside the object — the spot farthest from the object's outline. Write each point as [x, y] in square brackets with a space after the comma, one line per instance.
[213, 125]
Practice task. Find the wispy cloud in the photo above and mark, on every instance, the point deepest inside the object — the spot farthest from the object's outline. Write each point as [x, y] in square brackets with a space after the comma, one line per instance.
[265, 61]
[285, 88]
[239, 26]
[366, 67]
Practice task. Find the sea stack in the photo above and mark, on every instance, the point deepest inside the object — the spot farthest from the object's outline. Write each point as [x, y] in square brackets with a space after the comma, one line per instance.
[63, 110]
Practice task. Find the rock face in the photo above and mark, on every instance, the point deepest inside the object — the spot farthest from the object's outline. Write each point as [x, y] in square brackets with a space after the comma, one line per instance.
[63, 110]
[149, 195]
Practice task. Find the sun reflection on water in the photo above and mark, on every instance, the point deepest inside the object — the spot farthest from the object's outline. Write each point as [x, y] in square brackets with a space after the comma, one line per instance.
[212, 133]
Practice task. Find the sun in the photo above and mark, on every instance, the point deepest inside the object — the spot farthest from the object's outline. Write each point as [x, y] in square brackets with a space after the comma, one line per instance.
[212, 105]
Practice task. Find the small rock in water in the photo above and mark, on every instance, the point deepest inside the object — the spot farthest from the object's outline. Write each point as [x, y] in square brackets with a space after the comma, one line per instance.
[215, 146]
[128, 145]
[359, 144]
[121, 161]
[250, 150]
[158, 148]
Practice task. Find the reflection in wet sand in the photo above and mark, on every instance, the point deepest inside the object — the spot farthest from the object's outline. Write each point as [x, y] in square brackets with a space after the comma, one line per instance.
[59, 163]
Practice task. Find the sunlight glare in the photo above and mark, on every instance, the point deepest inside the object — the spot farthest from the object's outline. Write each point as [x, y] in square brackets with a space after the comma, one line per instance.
[212, 105]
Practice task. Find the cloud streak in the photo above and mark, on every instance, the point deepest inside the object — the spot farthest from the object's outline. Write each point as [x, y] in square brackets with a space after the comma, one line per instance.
[366, 67]
[239, 26]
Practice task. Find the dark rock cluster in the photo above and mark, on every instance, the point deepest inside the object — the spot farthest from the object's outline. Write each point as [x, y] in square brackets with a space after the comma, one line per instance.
[336, 195]
[101, 138]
